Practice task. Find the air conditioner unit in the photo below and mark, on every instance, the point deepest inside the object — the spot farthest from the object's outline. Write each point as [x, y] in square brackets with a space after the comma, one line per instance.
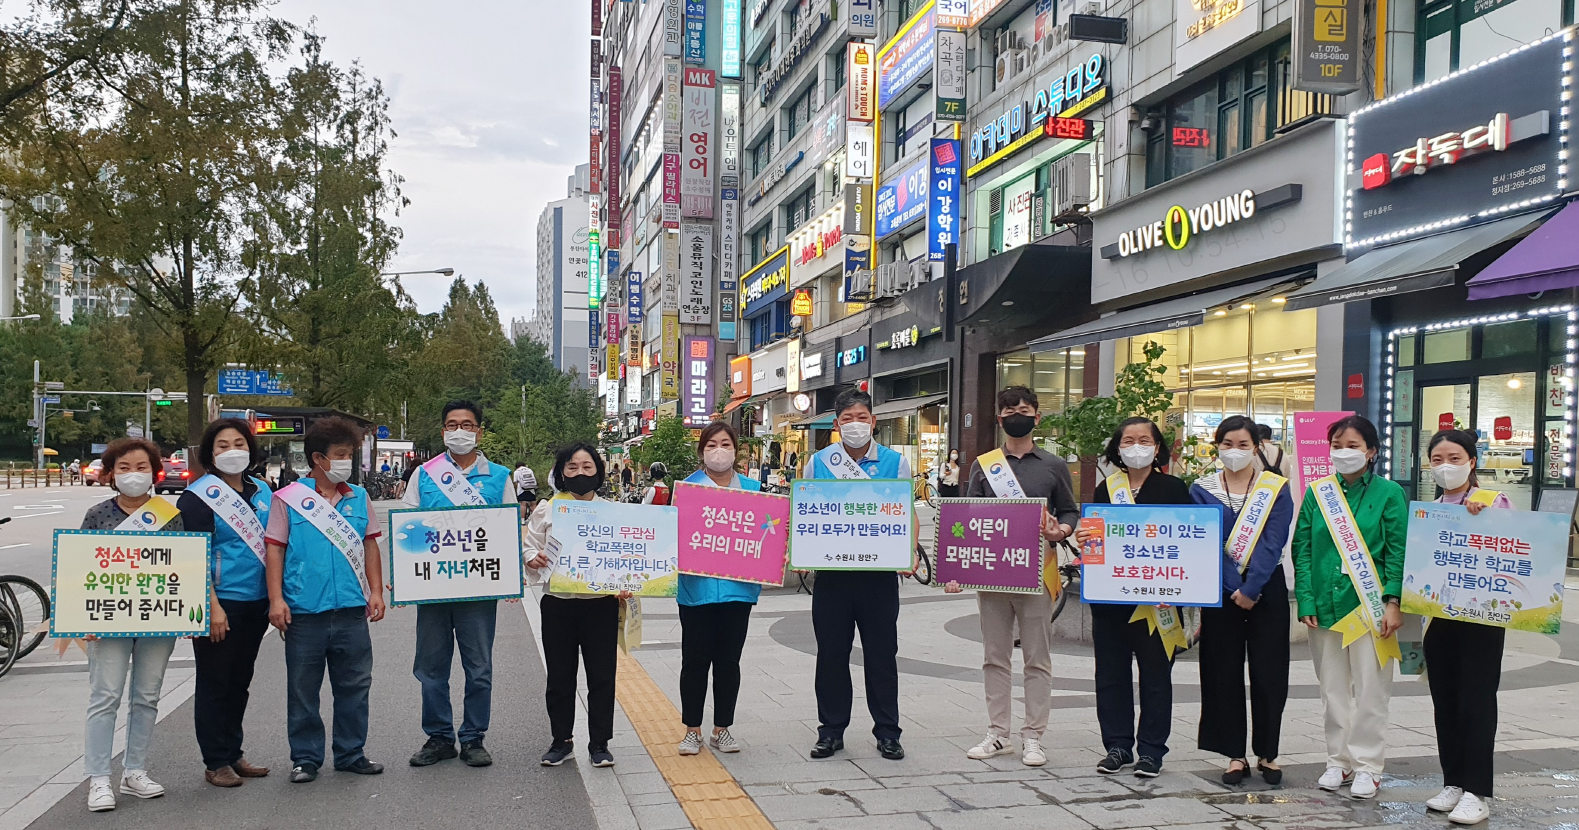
[1055, 38]
[1022, 61]
[860, 287]
[1011, 64]
[1092, 7]
[1003, 69]
[1073, 185]
[1008, 40]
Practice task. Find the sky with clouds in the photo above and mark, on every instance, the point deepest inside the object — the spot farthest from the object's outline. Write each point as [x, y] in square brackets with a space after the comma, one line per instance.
[489, 102]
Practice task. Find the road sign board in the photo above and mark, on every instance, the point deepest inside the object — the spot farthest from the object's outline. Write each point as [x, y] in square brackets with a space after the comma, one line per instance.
[383, 433]
[51, 399]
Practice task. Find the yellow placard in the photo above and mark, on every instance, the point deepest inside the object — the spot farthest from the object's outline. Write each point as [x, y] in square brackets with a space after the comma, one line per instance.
[111, 583]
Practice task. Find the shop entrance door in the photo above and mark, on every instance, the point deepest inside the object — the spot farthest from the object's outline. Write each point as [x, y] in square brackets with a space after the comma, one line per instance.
[1500, 411]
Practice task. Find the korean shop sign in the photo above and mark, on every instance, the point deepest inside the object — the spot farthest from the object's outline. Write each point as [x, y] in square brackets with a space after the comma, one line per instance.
[1065, 97]
[1181, 225]
[906, 56]
[1326, 50]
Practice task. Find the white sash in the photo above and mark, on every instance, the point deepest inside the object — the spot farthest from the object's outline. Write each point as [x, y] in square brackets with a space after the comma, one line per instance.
[1000, 476]
[452, 482]
[1253, 518]
[151, 517]
[1118, 491]
[228, 504]
[838, 461]
[318, 512]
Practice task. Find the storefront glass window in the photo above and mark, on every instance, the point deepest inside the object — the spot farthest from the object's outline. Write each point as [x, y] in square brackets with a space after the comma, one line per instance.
[1057, 378]
[1509, 339]
[1447, 346]
[1460, 33]
[1406, 351]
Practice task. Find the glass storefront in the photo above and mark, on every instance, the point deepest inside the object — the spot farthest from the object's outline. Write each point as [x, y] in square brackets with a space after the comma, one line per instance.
[1059, 380]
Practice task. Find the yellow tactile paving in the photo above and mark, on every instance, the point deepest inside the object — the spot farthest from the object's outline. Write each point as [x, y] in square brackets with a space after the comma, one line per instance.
[709, 795]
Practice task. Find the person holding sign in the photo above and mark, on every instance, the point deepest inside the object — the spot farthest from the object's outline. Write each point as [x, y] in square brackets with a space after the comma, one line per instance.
[1253, 619]
[714, 613]
[1120, 633]
[129, 465]
[849, 600]
[326, 583]
[459, 477]
[233, 508]
[1463, 658]
[581, 627]
[1348, 596]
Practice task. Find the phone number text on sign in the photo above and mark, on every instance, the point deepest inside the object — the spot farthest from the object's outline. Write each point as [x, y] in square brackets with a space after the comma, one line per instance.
[1154, 555]
[130, 584]
[859, 525]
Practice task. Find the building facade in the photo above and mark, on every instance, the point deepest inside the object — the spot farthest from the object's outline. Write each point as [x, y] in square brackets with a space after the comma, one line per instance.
[560, 319]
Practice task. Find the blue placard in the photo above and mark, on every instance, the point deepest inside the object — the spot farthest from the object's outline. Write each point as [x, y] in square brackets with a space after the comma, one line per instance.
[943, 198]
[696, 32]
[906, 57]
[729, 32]
[902, 198]
[1154, 555]
[1502, 568]
[634, 299]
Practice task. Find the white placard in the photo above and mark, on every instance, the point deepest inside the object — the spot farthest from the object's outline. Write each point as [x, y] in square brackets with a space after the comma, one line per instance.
[852, 525]
[729, 134]
[455, 554]
[672, 28]
[860, 152]
[1203, 28]
[697, 148]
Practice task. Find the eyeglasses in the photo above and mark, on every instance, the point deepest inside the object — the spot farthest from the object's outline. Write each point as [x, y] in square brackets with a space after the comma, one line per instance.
[469, 426]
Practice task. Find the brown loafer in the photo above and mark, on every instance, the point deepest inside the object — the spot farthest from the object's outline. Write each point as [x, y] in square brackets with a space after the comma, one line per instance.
[222, 777]
[246, 770]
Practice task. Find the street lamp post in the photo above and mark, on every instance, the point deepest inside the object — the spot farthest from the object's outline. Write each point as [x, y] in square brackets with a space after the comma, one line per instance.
[443, 272]
[23, 317]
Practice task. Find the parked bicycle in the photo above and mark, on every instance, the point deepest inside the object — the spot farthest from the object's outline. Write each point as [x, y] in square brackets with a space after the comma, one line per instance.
[24, 610]
[382, 486]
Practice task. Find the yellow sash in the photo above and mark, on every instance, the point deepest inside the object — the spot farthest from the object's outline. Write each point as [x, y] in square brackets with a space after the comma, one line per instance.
[1486, 497]
[1158, 618]
[1118, 491]
[1253, 518]
[1006, 485]
[1361, 568]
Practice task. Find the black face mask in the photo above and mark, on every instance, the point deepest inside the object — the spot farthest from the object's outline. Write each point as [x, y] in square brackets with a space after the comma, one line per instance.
[1017, 425]
[580, 485]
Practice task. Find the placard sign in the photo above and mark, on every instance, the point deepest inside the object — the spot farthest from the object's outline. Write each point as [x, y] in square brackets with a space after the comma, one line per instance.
[604, 547]
[453, 554]
[991, 544]
[852, 525]
[734, 534]
[1503, 567]
[111, 583]
[1154, 555]
[1311, 448]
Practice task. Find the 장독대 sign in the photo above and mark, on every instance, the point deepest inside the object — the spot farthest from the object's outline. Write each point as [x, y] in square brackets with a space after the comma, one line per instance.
[110, 583]
[1503, 567]
[852, 525]
[452, 554]
[1155, 555]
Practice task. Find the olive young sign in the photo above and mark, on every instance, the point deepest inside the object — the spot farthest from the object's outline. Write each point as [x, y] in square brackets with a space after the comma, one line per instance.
[1065, 97]
[1179, 224]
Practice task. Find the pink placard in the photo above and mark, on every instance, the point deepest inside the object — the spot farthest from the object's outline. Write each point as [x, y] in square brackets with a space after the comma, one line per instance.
[1311, 448]
[734, 534]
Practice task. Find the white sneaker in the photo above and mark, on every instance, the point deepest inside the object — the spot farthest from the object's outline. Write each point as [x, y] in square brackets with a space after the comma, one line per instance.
[1334, 778]
[724, 742]
[1470, 810]
[136, 782]
[1032, 755]
[1445, 800]
[101, 796]
[990, 746]
[691, 744]
[1365, 785]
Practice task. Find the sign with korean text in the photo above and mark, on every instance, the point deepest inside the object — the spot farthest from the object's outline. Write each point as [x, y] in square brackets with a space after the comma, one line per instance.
[603, 547]
[669, 378]
[695, 32]
[696, 274]
[733, 534]
[616, 93]
[861, 81]
[1068, 95]
[673, 105]
[862, 16]
[902, 197]
[943, 200]
[670, 297]
[111, 583]
[728, 261]
[1326, 45]
[954, 13]
[1311, 448]
[767, 283]
[852, 525]
[633, 300]
[696, 375]
[697, 145]
[613, 363]
[729, 32]
[991, 544]
[729, 135]
[906, 56]
[671, 190]
[612, 327]
[673, 28]
[452, 554]
[860, 151]
[948, 88]
[1204, 28]
[1503, 567]
[1154, 555]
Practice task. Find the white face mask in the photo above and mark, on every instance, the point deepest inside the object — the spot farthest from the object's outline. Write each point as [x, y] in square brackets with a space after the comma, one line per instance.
[1138, 456]
[1235, 460]
[1450, 476]
[460, 441]
[856, 434]
[339, 471]
[1348, 461]
[133, 484]
[232, 462]
[718, 459]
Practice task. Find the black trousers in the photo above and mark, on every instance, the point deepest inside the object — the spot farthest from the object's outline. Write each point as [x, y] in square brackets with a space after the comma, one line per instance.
[1228, 635]
[224, 676]
[711, 637]
[844, 602]
[1117, 641]
[1464, 666]
[585, 632]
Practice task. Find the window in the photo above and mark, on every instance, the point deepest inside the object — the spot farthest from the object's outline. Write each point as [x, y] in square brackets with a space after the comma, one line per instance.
[759, 67]
[835, 75]
[770, 325]
[797, 211]
[798, 113]
[759, 243]
[1458, 33]
[1243, 106]
[759, 154]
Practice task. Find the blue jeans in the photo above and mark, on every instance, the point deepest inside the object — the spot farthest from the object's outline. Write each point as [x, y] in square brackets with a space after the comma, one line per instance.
[110, 660]
[441, 626]
[338, 639]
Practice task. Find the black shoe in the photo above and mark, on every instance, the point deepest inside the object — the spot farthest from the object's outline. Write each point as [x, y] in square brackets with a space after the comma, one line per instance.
[890, 749]
[363, 767]
[1272, 776]
[600, 756]
[826, 747]
[475, 755]
[1232, 775]
[557, 752]
[1115, 762]
[303, 773]
[435, 750]
[1148, 767]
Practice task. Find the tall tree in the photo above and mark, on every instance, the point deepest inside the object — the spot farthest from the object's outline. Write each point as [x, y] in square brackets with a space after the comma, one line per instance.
[43, 53]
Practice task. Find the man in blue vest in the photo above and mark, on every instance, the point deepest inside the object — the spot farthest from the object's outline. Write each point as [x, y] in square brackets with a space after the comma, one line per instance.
[461, 477]
[848, 600]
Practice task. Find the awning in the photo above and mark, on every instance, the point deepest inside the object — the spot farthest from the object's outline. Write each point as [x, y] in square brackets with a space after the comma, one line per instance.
[735, 403]
[1417, 265]
[1024, 286]
[823, 421]
[904, 405]
[1177, 313]
[1546, 260]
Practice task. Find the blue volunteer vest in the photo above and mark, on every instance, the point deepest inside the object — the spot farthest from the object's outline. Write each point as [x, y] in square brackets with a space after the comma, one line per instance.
[489, 479]
[317, 576]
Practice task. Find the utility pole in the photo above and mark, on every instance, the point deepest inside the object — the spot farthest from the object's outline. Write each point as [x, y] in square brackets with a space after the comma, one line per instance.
[38, 418]
[402, 420]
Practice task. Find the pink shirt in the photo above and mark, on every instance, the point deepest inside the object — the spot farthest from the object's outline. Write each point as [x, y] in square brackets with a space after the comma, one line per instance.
[279, 530]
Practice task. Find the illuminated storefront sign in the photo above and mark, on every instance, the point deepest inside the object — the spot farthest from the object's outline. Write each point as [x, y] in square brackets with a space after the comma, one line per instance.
[906, 56]
[1067, 96]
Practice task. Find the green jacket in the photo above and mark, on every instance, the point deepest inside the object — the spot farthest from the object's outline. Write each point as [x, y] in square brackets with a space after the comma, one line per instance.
[1322, 586]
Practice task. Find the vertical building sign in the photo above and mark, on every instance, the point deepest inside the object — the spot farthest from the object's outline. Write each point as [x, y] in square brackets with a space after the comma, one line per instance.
[614, 166]
[943, 197]
[697, 145]
[792, 365]
[956, 13]
[863, 17]
[696, 272]
[860, 151]
[861, 82]
[729, 134]
[633, 300]
[728, 262]
[597, 18]
[670, 299]
[695, 32]
[672, 28]
[673, 106]
[696, 401]
[595, 284]
[1326, 50]
[729, 31]
[669, 377]
[949, 76]
[611, 328]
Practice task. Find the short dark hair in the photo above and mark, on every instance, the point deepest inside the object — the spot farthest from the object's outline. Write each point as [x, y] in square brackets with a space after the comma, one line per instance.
[120, 447]
[1157, 462]
[205, 446]
[713, 429]
[330, 432]
[851, 397]
[1013, 396]
[1464, 439]
[1360, 424]
[567, 452]
[1235, 423]
[469, 406]
[1263, 432]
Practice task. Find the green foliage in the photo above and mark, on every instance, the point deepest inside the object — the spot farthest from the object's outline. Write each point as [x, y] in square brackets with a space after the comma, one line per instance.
[1084, 429]
[670, 443]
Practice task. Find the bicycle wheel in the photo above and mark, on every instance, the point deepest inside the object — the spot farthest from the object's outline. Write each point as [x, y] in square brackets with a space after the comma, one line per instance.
[29, 603]
[9, 638]
[923, 567]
